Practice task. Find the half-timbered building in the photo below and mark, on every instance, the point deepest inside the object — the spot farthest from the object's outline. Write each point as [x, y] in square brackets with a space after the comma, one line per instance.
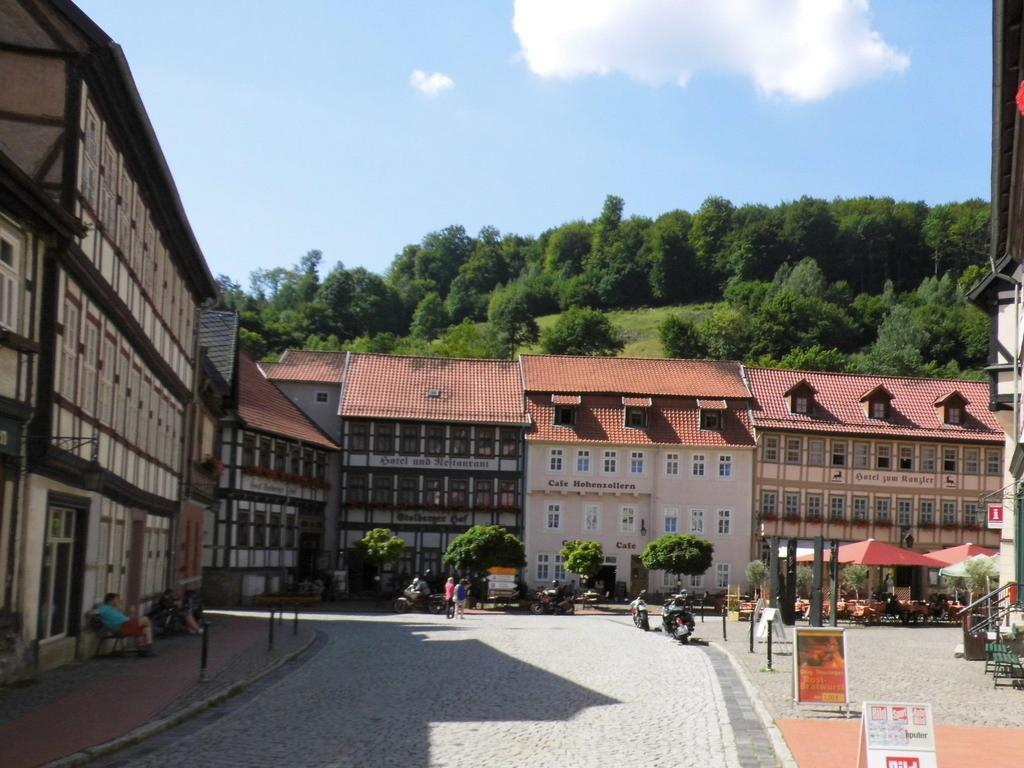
[432, 446]
[117, 351]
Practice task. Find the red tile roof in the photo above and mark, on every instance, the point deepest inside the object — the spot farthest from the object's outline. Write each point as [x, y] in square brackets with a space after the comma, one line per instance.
[838, 407]
[638, 402]
[263, 407]
[632, 376]
[397, 387]
[312, 367]
[671, 421]
[565, 399]
[710, 405]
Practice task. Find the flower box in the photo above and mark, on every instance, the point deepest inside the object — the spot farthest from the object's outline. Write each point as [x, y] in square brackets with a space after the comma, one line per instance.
[950, 526]
[791, 518]
[769, 517]
[860, 523]
[883, 523]
[926, 525]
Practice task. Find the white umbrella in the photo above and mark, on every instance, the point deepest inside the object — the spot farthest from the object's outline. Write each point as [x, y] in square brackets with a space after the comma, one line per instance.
[957, 570]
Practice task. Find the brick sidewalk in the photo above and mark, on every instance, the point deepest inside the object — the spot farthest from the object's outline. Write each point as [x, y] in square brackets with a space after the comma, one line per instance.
[90, 703]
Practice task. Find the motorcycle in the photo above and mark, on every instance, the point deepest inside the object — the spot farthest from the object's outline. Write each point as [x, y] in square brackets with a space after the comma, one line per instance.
[414, 600]
[168, 614]
[548, 601]
[638, 609]
[676, 620]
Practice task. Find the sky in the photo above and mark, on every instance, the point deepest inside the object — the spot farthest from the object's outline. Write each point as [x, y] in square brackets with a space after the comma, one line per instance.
[356, 127]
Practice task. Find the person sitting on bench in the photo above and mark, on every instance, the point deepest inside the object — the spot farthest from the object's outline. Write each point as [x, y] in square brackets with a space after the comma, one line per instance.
[124, 626]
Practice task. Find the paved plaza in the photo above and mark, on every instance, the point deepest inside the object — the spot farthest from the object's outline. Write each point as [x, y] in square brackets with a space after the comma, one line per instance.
[499, 690]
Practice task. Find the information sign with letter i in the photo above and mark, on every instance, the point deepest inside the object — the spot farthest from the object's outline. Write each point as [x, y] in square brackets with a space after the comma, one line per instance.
[896, 735]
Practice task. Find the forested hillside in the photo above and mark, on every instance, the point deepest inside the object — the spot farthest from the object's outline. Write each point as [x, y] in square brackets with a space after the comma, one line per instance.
[861, 284]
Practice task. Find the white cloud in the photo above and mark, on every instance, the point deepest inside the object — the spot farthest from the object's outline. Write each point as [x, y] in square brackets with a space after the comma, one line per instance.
[798, 49]
[431, 84]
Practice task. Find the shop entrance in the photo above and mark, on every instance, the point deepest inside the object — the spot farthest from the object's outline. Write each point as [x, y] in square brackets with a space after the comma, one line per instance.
[638, 576]
[604, 581]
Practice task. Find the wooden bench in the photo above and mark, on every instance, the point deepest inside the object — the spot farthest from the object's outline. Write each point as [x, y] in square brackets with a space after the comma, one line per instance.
[1007, 666]
[990, 650]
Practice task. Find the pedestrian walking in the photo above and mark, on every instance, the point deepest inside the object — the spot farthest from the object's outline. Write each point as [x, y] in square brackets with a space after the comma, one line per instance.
[449, 596]
[461, 591]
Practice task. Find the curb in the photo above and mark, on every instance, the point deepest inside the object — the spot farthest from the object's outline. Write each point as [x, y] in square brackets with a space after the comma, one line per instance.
[154, 727]
[778, 742]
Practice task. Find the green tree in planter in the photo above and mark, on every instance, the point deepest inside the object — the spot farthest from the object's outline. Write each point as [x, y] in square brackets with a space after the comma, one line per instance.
[979, 574]
[804, 579]
[584, 558]
[678, 553]
[381, 546]
[483, 547]
[756, 572]
[855, 577]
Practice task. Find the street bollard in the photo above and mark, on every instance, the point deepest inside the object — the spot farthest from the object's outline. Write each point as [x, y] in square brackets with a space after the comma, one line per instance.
[202, 659]
[702, 610]
[270, 642]
[280, 614]
[295, 624]
[751, 631]
[725, 614]
[769, 646]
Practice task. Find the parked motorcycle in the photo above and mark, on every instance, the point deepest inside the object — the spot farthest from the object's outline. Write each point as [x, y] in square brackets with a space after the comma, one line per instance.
[550, 601]
[638, 609]
[676, 620]
[414, 599]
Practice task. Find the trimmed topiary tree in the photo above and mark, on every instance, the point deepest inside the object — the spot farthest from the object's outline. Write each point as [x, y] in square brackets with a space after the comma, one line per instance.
[584, 558]
[678, 553]
[381, 546]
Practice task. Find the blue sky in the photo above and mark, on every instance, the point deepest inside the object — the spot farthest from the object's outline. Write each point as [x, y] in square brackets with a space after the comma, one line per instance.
[294, 130]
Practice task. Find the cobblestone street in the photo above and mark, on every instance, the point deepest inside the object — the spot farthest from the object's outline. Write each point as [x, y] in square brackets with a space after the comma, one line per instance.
[508, 690]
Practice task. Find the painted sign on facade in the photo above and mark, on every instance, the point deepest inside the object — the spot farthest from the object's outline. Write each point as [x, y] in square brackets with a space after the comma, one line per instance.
[435, 462]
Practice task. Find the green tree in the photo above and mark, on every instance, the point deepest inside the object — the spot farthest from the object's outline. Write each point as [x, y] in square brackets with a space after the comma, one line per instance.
[804, 579]
[584, 558]
[855, 576]
[756, 573]
[430, 317]
[897, 351]
[483, 547]
[567, 248]
[469, 339]
[381, 546]
[678, 553]
[679, 337]
[709, 238]
[726, 333]
[510, 318]
[580, 331]
[979, 574]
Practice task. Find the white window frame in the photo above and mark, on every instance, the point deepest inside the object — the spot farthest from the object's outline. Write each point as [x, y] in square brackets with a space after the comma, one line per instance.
[929, 458]
[861, 455]
[770, 451]
[696, 520]
[671, 518]
[671, 465]
[10, 278]
[722, 575]
[553, 515]
[556, 457]
[696, 581]
[637, 460]
[725, 466]
[972, 461]
[794, 450]
[592, 518]
[627, 519]
[560, 568]
[610, 463]
[725, 522]
[543, 566]
[815, 452]
[583, 461]
[993, 462]
[769, 502]
[697, 465]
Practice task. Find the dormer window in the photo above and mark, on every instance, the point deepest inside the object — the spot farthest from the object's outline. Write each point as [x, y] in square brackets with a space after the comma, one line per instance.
[565, 408]
[635, 411]
[877, 403]
[801, 397]
[879, 409]
[953, 408]
[801, 404]
[711, 414]
[954, 414]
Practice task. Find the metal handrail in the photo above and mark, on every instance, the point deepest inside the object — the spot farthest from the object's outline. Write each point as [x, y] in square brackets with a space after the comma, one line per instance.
[985, 598]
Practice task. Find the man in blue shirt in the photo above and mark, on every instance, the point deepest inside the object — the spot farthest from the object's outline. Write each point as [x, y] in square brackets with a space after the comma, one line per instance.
[124, 626]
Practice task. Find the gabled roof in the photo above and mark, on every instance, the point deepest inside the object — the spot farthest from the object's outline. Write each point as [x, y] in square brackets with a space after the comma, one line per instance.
[951, 396]
[263, 407]
[801, 386]
[218, 336]
[399, 387]
[566, 399]
[632, 376]
[297, 365]
[878, 392]
[670, 421]
[839, 410]
[707, 404]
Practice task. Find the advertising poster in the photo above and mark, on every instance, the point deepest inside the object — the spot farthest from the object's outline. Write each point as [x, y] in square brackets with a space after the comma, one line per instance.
[819, 661]
[896, 735]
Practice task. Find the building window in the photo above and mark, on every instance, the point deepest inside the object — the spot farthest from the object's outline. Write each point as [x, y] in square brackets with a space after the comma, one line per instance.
[460, 441]
[409, 439]
[927, 512]
[87, 399]
[279, 455]
[435, 441]
[321, 397]
[882, 511]
[433, 491]
[259, 529]
[672, 464]
[483, 493]
[509, 443]
[949, 513]
[711, 420]
[816, 453]
[906, 458]
[836, 507]
[993, 462]
[591, 518]
[771, 450]
[814, 506]
[242, 530]
[295, 459]
[860, 507]
[543, 566]
[883, 457]
[927, 458]
[484, 446]
[697, 465]
[555, 460]
[791, 505]
[972, 515]
[904, 512]
[583, 461]
[724, 522]
[636, 418]
[384, 438]
[9, 293]
[636, 462]
[861, 455]
[878, 409]
[58, 572]
[792, 450]
[671, 520]
[972, 461]
[275, 529]
[627, 520]
[724, 466]
[769, 500]
[248, 451]
[954, 414]
[408, 491]
[722, 575]
[697, 520]
[949, 459]
[800, 404]
[559, 567]
[565, 416]
[553, 521]
[507, 494]
[696, 580]
[669, 580]
[611, 459]
[382, 489]
[358, 437]
[458, 492]
[838, 453]
[265, 456]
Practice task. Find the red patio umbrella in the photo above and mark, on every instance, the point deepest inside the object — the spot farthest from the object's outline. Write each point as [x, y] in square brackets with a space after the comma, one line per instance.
[954, 555]
[871, 552]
